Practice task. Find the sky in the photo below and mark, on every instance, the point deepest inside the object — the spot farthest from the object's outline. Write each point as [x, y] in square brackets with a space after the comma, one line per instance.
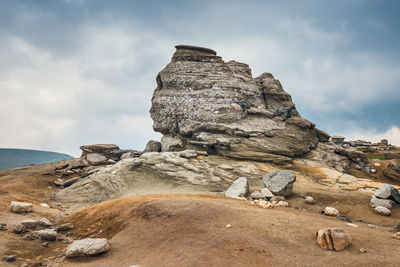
[77, 72]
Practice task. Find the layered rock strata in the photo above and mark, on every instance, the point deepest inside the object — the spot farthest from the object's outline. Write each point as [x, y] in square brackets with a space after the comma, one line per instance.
[203, 102]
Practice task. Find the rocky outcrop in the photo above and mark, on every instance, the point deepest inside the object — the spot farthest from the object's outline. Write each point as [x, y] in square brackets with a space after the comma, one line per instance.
[391, 169]
[202, 102]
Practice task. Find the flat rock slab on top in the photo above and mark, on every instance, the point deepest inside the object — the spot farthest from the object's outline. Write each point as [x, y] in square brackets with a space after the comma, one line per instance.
[280, 183]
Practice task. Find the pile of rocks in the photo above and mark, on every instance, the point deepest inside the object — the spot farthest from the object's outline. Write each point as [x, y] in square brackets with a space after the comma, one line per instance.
[384, 199]
[278, 185]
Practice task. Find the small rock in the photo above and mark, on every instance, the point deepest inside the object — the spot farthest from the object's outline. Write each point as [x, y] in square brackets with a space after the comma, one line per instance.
[239, 188]
[46, 234]
[45, 244]
[19, 229]
[396, 235]
[387, 203]
[333, 239]
[268, 194]
[397, 227]
[362, 250]
[309, 200]
[383, 211]
[331, 211]
[358, 167]
[283, 204]
[44, 222]
[111, 161]
[228, 226]
[44, 205]
[21, 207]
[257, 195]
[29, 237]
[377, 164]
[386, 191]
[11, 258]
[96, 159]
[373, 170]
[3, 227]
[88, 247]
[276, 199]
[352, 225]
[152, 146]
[188, 154]
[65, 227]
[280, 183]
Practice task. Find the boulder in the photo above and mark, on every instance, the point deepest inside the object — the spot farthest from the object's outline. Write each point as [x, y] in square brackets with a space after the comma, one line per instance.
[152, 146]
[96, 159]
[88, 247]
[239, 188]
[383, 211]
[204, 103]
[46, 234]
[391, 169]
[280, 183]
[387, 191]
[387, 203]
[21, 207]
[333, 239]
[268, 194]
[331, 211]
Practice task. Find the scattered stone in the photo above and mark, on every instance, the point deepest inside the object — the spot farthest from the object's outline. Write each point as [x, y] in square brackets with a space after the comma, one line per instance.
[387, 203]
[131, 154]
[362, 250]
[188, 154]
[88, 247]
[46, 234]
[396, 235]
[383, 211]
[386, 191]
[283, 204]
[111, 161]
[276, 199]
[44, 205]
[239, 188]
[377, 164]
[96, 159]
[152, 146]
[65, 227]
[29, 237]
[44, 222]
[268, 194]
[397, 227]
[30, 223]
[333, 239]
[69, 182]
[228, 226]
[11, 258]
[373, 170]
[352, 225]
[19, 229]
[45, 244]
[309, 200]
[358, 167]
[3, 227]
[331, 211]
[257, 195]
[280, 183]
[21, 207]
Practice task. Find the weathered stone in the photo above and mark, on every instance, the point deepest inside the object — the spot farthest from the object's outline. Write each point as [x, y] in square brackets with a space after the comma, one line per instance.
[21, 207]
[46, 234]
[30, 223]
[131, 154]
[69, 182]
[331, 211]
[96, 159]
[88, 247]
[19, 229]
[152, 146]
[3, 227]
[65, 227]
[387, 191]
[257, 195]
[277, 199]
[188, 154]
[391, 169]
[322, 136]
[283, 204]
[200, 99]
[387, 203]
[239, 188]
[309, 200]
[397, 227]
[333, 239]
[268, 194]
[383, 211]
[11, 258]
[44, 222]
[280, 182]
[352, 153]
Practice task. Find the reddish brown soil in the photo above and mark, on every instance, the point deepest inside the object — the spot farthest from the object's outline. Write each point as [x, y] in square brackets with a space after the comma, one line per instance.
[190, 230]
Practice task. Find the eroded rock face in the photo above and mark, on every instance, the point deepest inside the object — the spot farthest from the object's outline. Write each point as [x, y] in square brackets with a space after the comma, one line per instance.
[203, 102]
[392, 169]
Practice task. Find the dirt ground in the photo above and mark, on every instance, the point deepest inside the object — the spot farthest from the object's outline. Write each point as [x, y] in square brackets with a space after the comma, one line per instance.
[189, 230]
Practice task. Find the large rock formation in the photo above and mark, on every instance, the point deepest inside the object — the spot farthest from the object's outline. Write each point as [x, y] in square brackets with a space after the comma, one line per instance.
[204, 102]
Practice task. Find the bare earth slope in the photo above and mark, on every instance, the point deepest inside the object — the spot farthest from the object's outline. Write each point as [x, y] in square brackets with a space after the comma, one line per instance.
[190, 230]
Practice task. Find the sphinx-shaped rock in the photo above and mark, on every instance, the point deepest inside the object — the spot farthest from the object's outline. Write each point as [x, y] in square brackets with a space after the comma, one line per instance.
[202, 102]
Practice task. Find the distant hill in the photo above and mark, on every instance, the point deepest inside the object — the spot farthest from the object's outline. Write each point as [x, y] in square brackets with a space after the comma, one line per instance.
[13, 158]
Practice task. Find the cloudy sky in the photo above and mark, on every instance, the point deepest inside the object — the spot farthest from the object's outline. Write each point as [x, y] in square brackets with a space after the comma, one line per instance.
[78, 72]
